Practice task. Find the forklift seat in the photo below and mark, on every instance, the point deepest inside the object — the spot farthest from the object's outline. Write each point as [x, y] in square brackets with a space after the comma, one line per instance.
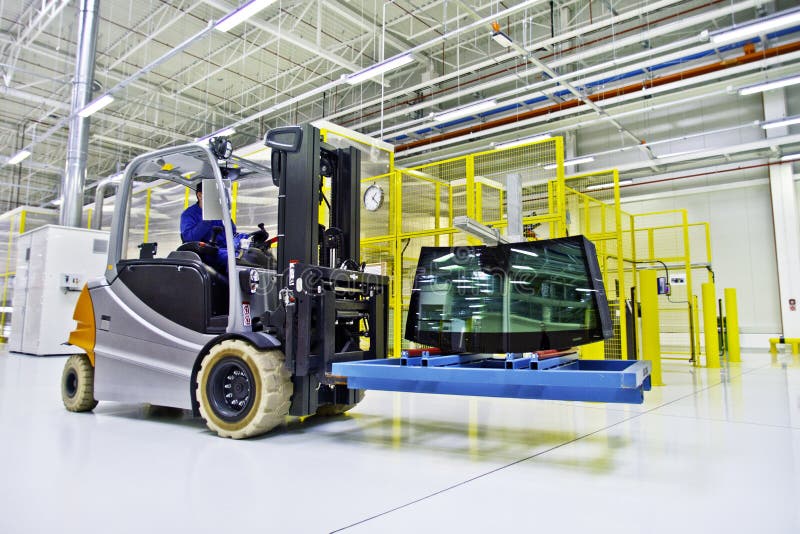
[184, 255]
[181, 288]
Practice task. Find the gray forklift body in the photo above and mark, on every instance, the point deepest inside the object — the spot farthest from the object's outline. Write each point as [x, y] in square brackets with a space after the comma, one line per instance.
[141, 355]
[156, 318]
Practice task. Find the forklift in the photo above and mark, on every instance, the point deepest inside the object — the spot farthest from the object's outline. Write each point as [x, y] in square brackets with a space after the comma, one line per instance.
[244, 348]
[270, 338]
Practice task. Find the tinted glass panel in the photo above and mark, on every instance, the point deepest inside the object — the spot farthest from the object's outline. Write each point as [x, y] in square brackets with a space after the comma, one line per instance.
[510, 298]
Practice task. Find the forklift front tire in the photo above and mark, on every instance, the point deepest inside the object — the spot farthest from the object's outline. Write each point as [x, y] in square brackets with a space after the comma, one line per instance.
[77, 384]
[243, 392]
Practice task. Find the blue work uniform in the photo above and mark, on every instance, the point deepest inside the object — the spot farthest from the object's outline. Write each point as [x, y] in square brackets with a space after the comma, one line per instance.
[194, 228]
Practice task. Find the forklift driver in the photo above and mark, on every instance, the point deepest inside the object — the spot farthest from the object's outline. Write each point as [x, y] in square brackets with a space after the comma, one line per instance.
[194, 228]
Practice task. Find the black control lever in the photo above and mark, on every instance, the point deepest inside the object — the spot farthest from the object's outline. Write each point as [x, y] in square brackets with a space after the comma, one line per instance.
[215, 233]
[261, 235]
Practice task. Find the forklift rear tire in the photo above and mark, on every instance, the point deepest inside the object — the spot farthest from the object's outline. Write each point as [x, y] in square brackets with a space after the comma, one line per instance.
[330, 410]
[77, 384]
[243, 392]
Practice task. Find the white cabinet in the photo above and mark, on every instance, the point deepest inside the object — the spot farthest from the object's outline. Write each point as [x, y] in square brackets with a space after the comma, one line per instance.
[53, 263]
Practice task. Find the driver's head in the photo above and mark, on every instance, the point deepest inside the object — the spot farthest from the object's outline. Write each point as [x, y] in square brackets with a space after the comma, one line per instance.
[199, 192]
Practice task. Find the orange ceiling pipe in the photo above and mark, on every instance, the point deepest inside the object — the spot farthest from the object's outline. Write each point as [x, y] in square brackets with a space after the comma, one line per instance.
[611, 93]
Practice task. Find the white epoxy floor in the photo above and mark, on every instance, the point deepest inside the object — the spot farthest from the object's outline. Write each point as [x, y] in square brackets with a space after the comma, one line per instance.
[713, 451]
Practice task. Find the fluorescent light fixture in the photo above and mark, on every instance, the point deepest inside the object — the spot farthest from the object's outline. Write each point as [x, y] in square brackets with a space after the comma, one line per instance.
[220, 133]
[522, 267]
[486, 234]
[57, 202]
[444, 258]
[767, 86]
[758, 27]
[233, 19]
[523, 141]
[674, 154]
[379, 68]
[96, 105]
[609, 185]
[781, 122]
[569, 162]
[502, 39]
[19, 156]
[790, 157]
[464, 111]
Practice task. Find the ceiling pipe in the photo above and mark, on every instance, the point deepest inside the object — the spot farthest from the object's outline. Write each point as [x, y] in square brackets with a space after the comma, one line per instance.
[566, 122]
[701, 175]
[468, 87]
[78, 142]
[567, 85]
[128, 81]
[651, 65]
[611, 93]
[457, 74]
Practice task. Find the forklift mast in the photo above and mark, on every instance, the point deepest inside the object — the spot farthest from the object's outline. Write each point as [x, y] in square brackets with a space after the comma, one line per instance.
[299, 161]
[329, 303]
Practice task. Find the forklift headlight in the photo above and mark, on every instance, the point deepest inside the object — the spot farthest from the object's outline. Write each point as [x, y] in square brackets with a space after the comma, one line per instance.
[255, 279]
[249, 280]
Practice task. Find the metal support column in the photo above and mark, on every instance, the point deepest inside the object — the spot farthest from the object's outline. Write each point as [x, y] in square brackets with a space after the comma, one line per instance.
[514, 232]
[785, 222]
[78, 142]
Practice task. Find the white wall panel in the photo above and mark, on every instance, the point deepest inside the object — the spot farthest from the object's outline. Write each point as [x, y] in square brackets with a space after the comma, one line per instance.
[743, 247]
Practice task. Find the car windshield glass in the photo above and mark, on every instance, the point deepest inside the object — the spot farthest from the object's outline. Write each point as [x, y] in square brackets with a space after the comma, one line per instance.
[510, 298]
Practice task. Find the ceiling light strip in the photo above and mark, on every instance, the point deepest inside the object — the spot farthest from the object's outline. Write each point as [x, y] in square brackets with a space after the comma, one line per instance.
[786, 121]
[523, 141]
[379, 68]
[768, 86]
[465, 111]
[96, 105]
[18, 157]
[235, 18]
[571, 162]
[759, 27]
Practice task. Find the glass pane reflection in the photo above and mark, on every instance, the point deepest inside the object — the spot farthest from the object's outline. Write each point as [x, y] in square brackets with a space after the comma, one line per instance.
[510, 298]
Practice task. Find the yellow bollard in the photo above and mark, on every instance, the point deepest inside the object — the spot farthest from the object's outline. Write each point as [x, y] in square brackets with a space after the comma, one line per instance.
[732, 314]
[696, 327]
[651, 332]
[710, 325]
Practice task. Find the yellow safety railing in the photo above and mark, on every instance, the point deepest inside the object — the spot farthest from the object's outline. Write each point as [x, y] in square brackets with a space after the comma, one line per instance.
[421, 202]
